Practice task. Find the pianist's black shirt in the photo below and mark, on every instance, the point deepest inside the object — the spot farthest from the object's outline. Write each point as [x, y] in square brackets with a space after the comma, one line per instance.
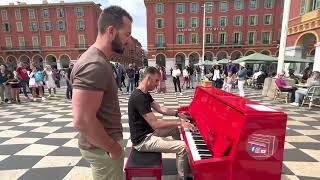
[139, 105]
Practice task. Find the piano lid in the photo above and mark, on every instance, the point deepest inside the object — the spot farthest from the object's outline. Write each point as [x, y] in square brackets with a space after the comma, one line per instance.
[239, 103]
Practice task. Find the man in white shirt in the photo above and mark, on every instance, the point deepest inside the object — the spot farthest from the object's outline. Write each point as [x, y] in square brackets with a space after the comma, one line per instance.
[176, 73]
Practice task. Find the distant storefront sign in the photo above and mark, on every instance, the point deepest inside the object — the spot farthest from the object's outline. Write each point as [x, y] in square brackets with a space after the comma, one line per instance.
[207, 29]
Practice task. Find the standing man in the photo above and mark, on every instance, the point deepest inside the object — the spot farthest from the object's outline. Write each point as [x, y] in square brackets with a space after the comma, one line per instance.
[68, 81]
[230, 68]
[23, 76]
[191, 77]
[130, 75]
[95, 104]
[148, 134]
[242, 76]
[136, 75]
[119, 72]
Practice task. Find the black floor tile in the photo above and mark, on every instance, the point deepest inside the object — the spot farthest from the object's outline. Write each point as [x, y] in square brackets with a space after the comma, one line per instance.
[54, 173]
[83, 163]
[286, 170]
[306, 145]
[297, 155]
[169, 167]
[53, 141]
[19, 162]
[11, 149]
[33, 135]
[24, 128]
[66, 130]
[290, 132]
[308, 178]
[301, 127]
[57, 123]
[65, 151]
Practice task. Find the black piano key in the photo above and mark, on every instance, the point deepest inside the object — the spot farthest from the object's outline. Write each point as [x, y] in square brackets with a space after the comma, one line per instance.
[199, 142]
[195, 132]
[205, 157]
[208, 153]
[202, 147]
[197, 138]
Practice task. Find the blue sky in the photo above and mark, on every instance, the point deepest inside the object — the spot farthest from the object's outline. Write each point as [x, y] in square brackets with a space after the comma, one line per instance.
[135, 7]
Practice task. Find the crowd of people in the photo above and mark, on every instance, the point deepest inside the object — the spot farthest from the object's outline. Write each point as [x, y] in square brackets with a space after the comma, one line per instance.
[32, 79]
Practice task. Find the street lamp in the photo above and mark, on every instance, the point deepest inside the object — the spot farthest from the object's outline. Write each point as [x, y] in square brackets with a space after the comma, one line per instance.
[204, 29]
[283, 39]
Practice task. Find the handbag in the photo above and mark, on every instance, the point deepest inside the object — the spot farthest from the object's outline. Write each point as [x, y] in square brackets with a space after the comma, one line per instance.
[32, 81]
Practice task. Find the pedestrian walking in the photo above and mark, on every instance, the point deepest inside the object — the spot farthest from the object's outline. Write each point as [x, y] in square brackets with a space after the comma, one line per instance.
[68, 82]
[50, 80]
[5, 87]
[242, 76]
[130, 74]
[176, 73]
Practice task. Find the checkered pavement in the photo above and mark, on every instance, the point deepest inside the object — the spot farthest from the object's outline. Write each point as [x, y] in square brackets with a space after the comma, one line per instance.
[37, 140]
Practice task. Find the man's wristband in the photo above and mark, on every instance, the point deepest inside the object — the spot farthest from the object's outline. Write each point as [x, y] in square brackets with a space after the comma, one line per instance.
[177, 114]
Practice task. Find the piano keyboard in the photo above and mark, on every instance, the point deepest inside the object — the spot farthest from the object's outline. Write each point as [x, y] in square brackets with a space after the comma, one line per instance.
[198, 148]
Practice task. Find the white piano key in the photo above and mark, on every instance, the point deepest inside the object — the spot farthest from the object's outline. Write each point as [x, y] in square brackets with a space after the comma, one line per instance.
[192, 145]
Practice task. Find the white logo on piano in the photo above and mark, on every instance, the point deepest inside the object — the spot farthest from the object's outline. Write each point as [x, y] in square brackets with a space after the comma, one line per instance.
[261, 146]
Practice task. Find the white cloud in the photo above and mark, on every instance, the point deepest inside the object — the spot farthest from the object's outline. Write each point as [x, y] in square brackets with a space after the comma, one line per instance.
[136, 8]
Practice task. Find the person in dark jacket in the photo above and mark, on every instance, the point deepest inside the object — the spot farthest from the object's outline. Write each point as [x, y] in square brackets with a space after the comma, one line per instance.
[242, 76]
[130, 75]
[230, 67]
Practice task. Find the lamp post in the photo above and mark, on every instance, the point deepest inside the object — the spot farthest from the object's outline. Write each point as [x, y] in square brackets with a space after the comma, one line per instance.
[204, 29]
[204, 35]
[283, 39]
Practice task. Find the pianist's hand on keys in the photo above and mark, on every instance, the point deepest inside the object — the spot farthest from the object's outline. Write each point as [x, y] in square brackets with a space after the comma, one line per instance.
[188, 125]
[185, 116]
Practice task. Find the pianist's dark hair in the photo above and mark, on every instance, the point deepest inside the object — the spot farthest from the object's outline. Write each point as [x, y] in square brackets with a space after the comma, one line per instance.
[151, 70]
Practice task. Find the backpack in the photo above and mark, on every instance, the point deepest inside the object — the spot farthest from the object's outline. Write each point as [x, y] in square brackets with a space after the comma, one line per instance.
[38, 76]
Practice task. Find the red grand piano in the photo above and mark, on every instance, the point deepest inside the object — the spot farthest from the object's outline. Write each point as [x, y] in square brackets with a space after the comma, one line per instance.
[237, 139]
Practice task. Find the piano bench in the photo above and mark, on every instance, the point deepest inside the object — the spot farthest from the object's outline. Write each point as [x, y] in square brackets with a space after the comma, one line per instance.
[143, 164]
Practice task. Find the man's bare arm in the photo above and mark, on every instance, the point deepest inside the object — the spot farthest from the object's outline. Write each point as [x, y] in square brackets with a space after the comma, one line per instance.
[163, 110]
[159, 124]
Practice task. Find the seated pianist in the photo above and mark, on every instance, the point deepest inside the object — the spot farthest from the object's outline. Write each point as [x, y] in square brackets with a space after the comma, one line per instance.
[148, 134]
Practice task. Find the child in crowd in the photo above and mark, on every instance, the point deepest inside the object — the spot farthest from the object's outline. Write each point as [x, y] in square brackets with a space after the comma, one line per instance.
[229, 80]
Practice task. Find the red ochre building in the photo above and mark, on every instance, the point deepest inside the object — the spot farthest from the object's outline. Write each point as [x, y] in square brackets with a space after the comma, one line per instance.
[52, 33]
[303, 38]
[233, 28]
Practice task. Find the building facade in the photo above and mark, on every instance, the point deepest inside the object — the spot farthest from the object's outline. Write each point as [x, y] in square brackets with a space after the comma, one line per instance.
[233, 28]
[54, 33]
[133, 53]
[304, 32]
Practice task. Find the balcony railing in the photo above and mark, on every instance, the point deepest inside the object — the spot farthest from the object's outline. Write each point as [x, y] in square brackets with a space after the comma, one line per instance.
[160, 45]
[21, 48]
[240, 43]
[81, 46]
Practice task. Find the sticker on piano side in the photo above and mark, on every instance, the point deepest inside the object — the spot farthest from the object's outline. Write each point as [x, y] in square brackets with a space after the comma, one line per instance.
[259, 107]
[261, 147]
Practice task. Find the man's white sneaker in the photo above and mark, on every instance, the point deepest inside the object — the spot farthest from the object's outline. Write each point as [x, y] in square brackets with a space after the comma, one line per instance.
[43, 98]
[294, 104]
[181, 94]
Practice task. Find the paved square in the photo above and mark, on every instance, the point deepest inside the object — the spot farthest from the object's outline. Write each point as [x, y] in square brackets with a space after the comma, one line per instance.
[38, 141]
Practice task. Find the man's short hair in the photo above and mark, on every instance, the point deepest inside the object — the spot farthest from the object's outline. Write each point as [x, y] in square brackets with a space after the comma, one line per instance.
[151, 71]
[112, 16]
